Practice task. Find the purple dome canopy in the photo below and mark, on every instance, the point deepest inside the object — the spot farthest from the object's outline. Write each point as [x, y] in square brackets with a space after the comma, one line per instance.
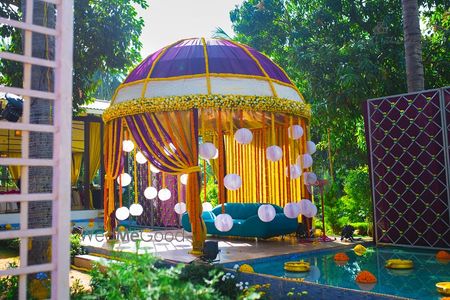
[199, 66]
[187, 57]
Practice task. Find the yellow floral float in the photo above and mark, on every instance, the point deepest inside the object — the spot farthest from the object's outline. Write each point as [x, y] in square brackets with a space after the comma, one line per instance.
[399, 264]
[246, 268]
[443, 288]
[297, 266]
[360, 250]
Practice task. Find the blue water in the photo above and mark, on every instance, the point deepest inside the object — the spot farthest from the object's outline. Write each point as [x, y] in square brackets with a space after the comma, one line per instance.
[418, 283]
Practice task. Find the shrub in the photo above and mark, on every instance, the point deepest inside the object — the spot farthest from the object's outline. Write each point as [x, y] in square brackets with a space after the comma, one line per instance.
[137, 277]
[362, 227]
[9, 285]
[75, 246]
[201, 273]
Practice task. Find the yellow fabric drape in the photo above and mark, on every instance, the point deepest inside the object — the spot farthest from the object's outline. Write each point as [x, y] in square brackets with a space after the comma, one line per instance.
[77, 158]
[112, 160]
[262, 180]
[14, 171]
[94, 154]
[169, 141]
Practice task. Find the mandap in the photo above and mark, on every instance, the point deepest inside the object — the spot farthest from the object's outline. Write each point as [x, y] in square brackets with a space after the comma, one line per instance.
[209, 101]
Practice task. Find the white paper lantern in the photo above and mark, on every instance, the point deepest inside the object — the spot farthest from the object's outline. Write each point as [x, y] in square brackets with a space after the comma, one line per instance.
[307, 161]
[266, 212]
[216, 155]
[206, 206]
[150, 193]
[180, 208]
[184, 179]
[274, 153]
[164, 194]
[292, 210]
[140, 158]
[232, 182]
[127, 145]
[295, 132]
[136, 209]
[243, 136]
[223, 222]
[207, 150]
[309, 178]
[311, 147]
[154, 169]
[296, 172]
[311, 211]
[125, 178]
[304, 206]
[122, 213]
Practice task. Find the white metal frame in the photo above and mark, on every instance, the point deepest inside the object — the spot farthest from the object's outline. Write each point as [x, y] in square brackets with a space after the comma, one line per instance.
[61, 161]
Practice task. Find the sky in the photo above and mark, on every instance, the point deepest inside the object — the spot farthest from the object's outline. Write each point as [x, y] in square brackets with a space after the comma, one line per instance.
[167, 21]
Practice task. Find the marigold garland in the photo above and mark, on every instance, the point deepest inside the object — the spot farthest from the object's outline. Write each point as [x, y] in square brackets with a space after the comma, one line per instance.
[180, 103]
[365, 277]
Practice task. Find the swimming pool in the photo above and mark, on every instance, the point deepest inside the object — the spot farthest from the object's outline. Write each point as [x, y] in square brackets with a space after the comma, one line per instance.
[418, 283]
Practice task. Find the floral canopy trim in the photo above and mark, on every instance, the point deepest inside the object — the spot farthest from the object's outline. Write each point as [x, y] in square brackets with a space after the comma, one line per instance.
[180, 103]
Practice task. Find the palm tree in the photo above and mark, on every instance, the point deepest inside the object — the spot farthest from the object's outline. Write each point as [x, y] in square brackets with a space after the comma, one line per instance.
[413, 48]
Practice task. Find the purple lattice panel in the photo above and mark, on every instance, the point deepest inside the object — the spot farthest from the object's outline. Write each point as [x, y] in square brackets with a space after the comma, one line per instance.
[408, 151]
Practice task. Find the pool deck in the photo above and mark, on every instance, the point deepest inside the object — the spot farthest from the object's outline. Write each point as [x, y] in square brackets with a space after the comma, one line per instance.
[232, 249]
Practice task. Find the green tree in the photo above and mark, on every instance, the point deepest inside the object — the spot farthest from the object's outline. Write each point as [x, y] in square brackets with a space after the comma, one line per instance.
[106, 45]
[340, 53]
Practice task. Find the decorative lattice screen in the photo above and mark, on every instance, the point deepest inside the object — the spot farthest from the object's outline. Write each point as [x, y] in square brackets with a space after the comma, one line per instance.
[407, 137]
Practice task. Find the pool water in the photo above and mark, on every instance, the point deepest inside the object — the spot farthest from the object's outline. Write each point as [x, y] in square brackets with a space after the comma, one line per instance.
[418, 283]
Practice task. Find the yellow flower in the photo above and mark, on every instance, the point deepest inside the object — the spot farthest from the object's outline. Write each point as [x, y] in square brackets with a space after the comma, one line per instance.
[8, 227]
[246, 268]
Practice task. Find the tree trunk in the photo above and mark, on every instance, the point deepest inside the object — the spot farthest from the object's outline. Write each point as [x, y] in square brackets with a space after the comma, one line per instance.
[413, 48]
[41, 143]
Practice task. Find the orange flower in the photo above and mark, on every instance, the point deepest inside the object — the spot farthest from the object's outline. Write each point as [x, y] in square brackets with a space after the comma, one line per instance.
[365, 277]
[443, 255]
[341, 257]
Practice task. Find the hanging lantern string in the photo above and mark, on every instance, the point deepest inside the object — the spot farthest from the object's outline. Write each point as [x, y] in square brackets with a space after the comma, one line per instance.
[204, 180]
[136, 200]
[273, 129]
[179, 188]
[231, 136]
[265, 156]
[221, 157]
[163, 180]
[149, 175]
[120, 190]
[288, 159]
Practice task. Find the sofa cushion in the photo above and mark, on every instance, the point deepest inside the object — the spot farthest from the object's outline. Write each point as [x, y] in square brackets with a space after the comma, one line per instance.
[238, 222]
[238, 210]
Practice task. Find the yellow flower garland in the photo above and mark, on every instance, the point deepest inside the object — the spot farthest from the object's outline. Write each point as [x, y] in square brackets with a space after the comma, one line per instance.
[179, 103]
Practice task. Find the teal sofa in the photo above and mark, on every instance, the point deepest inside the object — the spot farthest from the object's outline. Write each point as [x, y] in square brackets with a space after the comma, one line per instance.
[246, 222]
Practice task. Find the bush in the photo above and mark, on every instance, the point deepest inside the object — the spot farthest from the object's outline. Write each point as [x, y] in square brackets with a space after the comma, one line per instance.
[75, 246]
[362, 227]
[9, 285]
[357, 201]
[201, 273]
[211, 192]
[138, 277]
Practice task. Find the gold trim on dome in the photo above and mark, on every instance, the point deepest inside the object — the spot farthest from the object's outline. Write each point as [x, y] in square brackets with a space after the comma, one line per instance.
[177, 103]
